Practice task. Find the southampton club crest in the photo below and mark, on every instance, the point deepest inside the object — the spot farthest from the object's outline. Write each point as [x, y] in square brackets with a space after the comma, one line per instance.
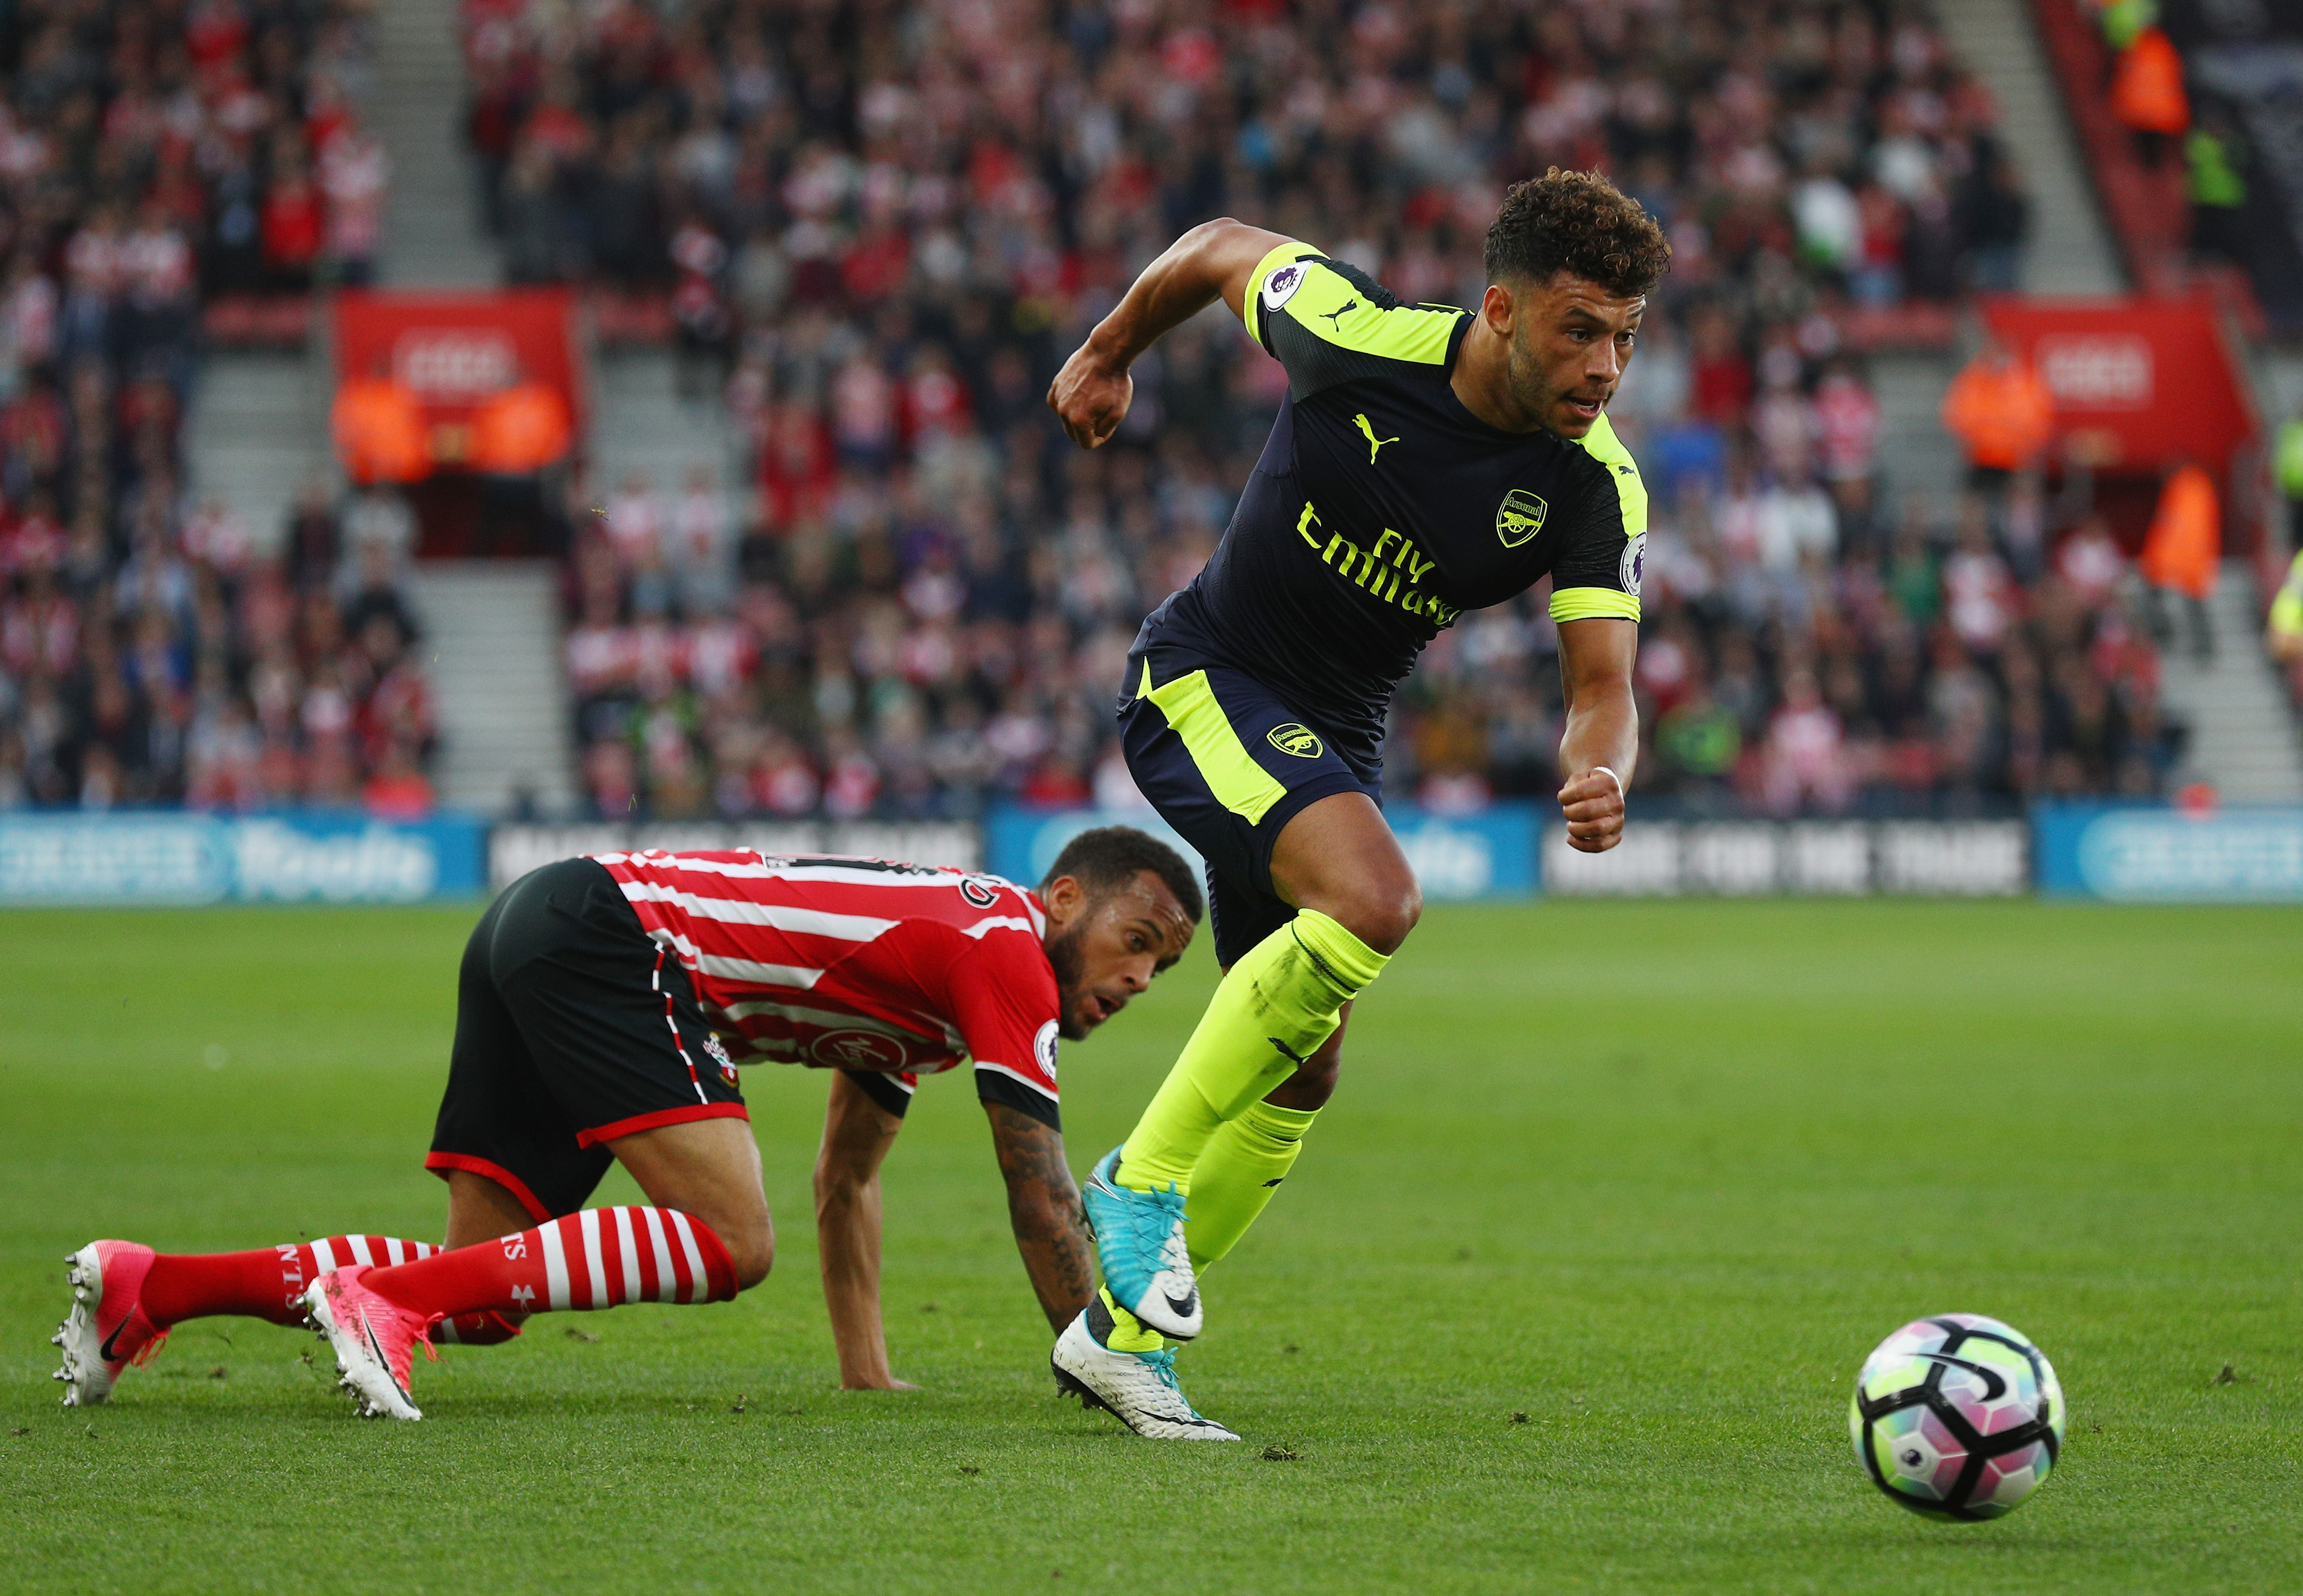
[719, 1051]
[1520, 517]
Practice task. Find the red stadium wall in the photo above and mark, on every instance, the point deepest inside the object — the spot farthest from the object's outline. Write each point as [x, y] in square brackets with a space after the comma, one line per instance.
[2140, 386]
[455, 349]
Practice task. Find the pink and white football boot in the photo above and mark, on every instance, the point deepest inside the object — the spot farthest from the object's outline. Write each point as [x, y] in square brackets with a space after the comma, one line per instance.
[375, 1340]
[107, 1329]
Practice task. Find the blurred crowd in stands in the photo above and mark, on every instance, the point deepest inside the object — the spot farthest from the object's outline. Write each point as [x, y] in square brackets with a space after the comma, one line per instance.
[878, 228]
[882, 226]
[154, 155]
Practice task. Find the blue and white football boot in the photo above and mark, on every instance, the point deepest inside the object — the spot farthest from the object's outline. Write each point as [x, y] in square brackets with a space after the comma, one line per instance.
[1139, 1238]
[1138, 1389]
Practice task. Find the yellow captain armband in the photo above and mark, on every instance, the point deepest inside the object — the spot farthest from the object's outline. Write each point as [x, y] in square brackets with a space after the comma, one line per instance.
[1587, 603]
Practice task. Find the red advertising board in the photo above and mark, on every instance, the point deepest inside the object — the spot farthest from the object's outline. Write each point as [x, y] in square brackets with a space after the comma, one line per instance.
[2139, 384]
[455, 349]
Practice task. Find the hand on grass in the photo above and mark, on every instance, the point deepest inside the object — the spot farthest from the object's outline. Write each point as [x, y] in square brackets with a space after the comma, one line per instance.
[1593, 804]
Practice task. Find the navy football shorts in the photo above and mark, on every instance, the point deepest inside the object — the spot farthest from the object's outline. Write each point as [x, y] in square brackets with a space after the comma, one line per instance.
[1228, 763]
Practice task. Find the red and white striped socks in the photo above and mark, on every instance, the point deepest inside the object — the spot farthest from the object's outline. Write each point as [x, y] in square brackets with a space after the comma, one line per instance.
[595, 1258]
[268, 1283]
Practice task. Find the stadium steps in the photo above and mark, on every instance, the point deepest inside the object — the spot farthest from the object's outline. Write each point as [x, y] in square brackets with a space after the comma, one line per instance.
[492, 645]
[2070, 251]
[257, 433]
[2243, 735]
[1916, 454]
[640, 421]
[432, 233]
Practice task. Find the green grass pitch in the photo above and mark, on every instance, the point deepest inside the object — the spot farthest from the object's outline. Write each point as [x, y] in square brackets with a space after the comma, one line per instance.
[1655, 1177]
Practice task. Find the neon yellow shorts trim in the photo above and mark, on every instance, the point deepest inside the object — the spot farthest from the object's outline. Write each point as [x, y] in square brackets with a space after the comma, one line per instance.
[1239, 784]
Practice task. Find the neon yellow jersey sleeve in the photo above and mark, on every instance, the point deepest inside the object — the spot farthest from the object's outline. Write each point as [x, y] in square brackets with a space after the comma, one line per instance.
[1599, 575]
[2287, 608]
[1329, 322]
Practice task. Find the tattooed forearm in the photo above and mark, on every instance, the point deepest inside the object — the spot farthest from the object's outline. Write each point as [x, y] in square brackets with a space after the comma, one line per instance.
[1044, 1208]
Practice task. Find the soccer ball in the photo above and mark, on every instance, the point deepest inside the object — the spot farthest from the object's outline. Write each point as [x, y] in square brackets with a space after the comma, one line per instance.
[1957, 1417]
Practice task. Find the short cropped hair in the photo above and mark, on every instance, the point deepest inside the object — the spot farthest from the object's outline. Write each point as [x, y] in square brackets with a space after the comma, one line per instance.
[1580, 223]
[1109, 858]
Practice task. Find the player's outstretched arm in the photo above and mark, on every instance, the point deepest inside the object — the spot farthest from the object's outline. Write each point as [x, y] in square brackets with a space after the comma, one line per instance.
[857, 1135]
[1043, 1207]
[1092, 392]
[1602, 739]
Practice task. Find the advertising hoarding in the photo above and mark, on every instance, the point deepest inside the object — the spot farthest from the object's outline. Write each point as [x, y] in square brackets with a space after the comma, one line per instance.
[161, 857]
[514, 850]
[1796, 858]
[2142, 855]
[1489, 854]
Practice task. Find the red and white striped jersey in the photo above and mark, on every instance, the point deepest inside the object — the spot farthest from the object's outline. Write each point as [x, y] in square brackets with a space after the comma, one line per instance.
[859, 964]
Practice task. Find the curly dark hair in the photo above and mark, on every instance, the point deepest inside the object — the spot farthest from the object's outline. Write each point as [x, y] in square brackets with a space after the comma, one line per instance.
[1109, 857]
[1580, 223]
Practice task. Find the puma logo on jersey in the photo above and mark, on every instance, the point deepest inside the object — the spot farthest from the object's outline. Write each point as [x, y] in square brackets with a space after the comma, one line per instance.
[1375, 443]
[1336, 315]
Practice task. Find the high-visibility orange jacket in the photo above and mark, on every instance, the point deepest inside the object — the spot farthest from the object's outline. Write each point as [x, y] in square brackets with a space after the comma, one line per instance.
[2146, 86]
[2186, 536]
[522, 429]
[2002, 412]
[380, 432]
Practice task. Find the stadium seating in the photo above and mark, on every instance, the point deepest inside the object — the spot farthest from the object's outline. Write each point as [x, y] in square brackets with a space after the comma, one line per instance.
[887, 240]
[156, 161]
[878, 241]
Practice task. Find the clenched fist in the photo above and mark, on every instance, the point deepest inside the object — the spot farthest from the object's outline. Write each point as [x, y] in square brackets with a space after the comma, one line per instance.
[1089, 398]
[1593, 804]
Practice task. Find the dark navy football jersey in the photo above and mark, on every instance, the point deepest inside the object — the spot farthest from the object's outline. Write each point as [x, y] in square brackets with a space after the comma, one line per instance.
[1382, 509]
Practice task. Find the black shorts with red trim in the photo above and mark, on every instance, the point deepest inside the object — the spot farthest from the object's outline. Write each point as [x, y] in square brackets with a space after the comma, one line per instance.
[573, 1027]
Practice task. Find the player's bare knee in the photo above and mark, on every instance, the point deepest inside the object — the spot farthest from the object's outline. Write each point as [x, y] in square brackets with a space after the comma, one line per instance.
[1381, 914]
[751, 1254]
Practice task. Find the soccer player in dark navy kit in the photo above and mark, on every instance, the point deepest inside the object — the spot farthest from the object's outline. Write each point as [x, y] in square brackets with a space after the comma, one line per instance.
[1428, 460]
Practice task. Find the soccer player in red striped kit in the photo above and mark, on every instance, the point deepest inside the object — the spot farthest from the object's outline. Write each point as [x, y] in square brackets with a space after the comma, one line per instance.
[602, 1007]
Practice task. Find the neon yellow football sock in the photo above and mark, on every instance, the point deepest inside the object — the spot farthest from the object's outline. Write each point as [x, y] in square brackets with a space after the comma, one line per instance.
[1246, 1160]
[1279, 1002]
[1128, 1333]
